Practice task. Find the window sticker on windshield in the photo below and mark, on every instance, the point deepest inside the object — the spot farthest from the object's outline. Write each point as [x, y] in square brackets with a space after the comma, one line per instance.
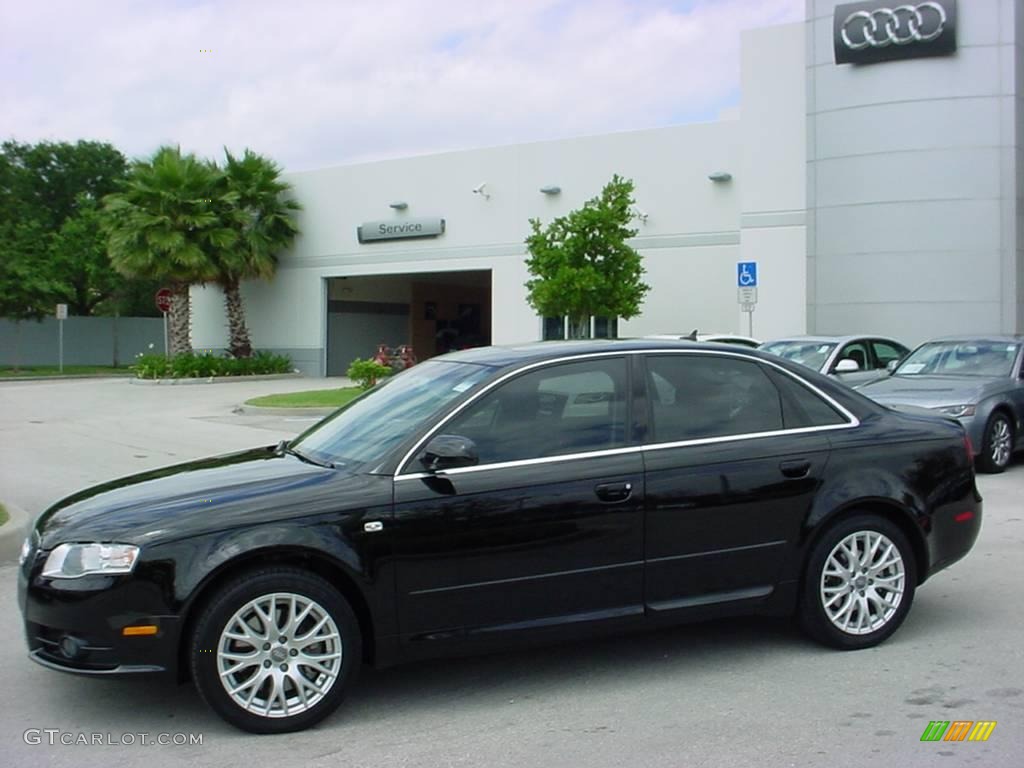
[1011, 348]
[462, 386]
[912, 368]
[823, 349]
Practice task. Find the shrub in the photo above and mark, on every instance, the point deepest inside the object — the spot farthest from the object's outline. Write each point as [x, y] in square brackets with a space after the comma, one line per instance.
[206, 364]
[366, 372]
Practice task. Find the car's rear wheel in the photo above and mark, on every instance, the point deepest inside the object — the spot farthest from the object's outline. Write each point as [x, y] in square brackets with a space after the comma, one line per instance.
[859, 583]
[997, 444]
[275, 650]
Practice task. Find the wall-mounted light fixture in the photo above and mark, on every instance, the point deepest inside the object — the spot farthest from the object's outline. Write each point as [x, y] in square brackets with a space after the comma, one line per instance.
[551, 189]
[481, 189]
[720, 176]
[399, 205]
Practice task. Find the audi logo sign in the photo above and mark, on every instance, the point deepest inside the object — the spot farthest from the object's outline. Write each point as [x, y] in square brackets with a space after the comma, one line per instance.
[866, 33]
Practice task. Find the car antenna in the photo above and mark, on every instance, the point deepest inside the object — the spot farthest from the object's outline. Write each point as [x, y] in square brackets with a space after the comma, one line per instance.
[693, 335]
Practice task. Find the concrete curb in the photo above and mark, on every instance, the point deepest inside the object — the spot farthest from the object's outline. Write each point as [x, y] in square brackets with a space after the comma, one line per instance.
[259, 410]
[12, 533]
[215, 379]
[4, 379]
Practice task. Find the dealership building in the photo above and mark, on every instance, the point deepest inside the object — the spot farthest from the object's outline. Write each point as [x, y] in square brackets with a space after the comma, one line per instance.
[872, 171]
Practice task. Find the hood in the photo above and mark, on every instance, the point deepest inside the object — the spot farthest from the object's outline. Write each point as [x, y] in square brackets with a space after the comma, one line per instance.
[925, 391]
[183, 499]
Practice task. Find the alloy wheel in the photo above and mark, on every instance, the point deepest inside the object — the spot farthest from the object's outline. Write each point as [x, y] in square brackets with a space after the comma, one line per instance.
[862, 582]
[279, 655]
[1000, 442]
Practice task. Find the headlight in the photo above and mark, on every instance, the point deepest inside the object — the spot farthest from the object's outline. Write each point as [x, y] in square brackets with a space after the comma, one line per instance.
[69, 561]
[26, 549]
[959, 411]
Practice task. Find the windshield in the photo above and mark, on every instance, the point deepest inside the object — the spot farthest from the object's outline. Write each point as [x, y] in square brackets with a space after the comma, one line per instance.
[961, 358]
[813, 354]
[370, 426]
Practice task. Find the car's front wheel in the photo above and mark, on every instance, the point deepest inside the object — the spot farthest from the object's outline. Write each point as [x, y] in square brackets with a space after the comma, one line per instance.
[275, 650]
[997, 444]
[859, 583]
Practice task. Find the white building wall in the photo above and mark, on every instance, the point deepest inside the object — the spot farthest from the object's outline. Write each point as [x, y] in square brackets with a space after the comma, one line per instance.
[772, 176]
[911, 166]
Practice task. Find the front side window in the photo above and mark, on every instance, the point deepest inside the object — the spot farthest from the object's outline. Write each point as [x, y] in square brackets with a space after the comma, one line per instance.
[701, 396]
[555, 410]
[885, 352]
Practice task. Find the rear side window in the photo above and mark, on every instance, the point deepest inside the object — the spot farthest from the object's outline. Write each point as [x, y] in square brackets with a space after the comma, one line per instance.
[803, 408]
[700, 396]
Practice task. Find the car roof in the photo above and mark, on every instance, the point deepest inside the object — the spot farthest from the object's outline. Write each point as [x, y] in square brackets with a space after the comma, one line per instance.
[500, 356]
[996, 338]
[832, 339]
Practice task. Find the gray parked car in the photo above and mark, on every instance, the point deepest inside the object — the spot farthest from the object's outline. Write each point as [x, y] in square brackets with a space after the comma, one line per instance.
[978, 380]
[854, 360]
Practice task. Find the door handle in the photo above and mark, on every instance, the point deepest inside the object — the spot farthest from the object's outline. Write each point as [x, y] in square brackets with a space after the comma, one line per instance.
[796, 468]
[613, 492]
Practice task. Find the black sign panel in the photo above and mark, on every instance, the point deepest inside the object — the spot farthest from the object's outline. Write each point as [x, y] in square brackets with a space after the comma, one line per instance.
[886, 30]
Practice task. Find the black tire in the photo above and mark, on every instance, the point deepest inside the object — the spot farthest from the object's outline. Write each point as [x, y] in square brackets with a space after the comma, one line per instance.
[286, 661]
[861, 594]
[988, 462]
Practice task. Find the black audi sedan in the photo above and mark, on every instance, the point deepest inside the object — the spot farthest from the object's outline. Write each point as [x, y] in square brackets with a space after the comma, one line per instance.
[498, 496]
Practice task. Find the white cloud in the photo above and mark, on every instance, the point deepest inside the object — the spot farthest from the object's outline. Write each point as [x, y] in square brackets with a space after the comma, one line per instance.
[321, 83]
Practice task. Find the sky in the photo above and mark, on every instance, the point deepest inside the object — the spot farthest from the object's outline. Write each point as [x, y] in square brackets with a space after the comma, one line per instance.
[317, 83]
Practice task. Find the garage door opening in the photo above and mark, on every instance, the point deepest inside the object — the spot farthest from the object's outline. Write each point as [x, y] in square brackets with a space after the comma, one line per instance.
[434, 312]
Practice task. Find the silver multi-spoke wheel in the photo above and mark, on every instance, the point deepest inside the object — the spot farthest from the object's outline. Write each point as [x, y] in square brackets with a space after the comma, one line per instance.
[862, 582]
[1000, 442]
[279, 655]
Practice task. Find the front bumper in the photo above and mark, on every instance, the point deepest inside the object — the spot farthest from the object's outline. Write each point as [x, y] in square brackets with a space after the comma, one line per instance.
[76, 625]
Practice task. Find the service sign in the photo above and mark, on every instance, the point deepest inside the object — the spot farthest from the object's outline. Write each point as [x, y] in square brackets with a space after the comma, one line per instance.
[886, 30]
[399, 229]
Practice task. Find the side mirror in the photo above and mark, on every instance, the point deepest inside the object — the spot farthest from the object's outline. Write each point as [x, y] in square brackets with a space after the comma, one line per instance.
[847, 365]
[449, 452]
[891, 366]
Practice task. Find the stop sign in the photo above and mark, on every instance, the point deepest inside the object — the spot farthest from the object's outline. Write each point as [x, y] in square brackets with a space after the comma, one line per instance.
[163, 299]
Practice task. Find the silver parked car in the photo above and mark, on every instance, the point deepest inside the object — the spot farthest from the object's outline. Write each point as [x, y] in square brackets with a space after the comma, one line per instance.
[854, 360]
[978, 380]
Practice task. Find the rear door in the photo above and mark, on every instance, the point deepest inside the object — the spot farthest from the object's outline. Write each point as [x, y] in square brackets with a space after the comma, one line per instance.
[733, 465]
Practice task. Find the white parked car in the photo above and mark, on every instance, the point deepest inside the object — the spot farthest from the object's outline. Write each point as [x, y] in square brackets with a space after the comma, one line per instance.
[854, 360]
[721, 338]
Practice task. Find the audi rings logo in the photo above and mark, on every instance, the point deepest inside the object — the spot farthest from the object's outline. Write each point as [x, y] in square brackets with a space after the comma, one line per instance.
[880, 31]
[898, 26]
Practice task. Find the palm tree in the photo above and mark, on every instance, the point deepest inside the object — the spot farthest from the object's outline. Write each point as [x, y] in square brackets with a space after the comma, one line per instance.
[266, 227]
[167, 223]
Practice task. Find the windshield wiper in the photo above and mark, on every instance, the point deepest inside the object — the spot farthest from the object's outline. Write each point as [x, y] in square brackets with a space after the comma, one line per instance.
[284, 447]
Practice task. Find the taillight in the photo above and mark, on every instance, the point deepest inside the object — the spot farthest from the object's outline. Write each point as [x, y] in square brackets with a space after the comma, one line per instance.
[968, 447]
[963, 517]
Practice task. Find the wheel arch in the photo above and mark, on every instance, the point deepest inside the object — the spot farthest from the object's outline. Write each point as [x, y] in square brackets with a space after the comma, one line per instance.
[888, 509]
[299, 557]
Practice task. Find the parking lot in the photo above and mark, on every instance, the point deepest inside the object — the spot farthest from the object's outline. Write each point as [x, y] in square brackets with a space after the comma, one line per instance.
[736, 693]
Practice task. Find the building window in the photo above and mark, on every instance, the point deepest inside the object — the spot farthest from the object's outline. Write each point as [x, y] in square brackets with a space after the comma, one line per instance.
[557, 328]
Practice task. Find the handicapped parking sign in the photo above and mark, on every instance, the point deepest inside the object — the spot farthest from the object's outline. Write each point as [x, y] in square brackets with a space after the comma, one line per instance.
[746, 274]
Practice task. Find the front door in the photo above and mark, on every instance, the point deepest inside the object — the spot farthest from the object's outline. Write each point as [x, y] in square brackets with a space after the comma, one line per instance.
[546, 530]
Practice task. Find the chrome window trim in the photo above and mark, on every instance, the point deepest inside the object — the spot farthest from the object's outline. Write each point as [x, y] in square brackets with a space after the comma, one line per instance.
[852, 422]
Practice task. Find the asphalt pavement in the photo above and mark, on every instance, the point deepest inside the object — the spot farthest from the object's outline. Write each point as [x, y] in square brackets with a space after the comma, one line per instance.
[733, 693]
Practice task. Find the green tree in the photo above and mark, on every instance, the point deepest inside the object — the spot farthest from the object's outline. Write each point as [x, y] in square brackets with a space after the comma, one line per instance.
[263, 215]
[167, 223]
[582, 266]
[52, 188]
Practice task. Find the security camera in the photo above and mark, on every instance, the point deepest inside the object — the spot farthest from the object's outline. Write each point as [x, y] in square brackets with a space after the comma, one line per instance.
[638, 214]
[481, 189]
